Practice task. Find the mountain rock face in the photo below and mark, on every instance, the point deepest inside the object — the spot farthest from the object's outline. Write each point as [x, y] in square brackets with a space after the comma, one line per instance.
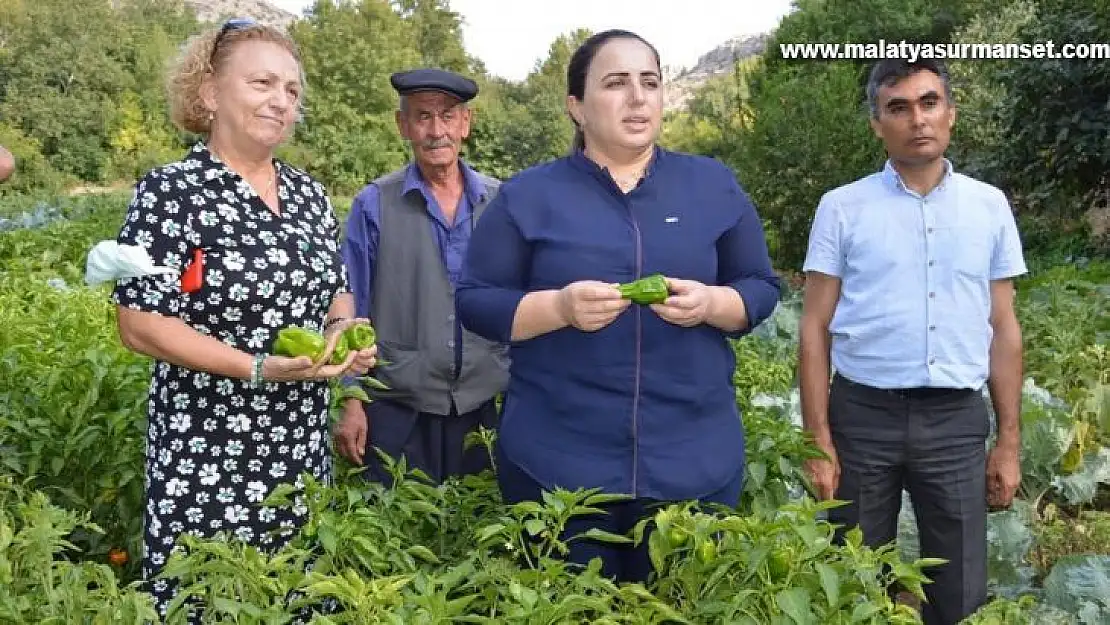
[215, 10]
[681, 83]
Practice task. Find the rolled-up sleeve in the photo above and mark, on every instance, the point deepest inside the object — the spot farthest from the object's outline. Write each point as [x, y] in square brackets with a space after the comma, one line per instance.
[494, 276]
[360, 246]
[745, 264]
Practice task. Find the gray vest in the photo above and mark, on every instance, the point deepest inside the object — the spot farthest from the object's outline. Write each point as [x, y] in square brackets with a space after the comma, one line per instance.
[413, 310]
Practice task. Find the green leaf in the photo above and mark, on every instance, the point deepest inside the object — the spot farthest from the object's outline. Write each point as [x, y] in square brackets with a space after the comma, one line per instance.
[794, 602]
[830, 583]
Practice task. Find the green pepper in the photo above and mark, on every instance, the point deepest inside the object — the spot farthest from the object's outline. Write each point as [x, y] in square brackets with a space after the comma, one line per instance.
[342, 348]
[360, 336]
[648, 290]
[295, 342]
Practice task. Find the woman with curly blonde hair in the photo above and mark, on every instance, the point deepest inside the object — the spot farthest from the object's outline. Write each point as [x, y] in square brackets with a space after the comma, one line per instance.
[241, 245]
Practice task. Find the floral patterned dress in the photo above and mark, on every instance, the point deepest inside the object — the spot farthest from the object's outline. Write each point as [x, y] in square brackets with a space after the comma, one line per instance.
[216, 446]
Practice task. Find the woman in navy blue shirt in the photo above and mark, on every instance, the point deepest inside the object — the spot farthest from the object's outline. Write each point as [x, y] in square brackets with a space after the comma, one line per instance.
[632, 399]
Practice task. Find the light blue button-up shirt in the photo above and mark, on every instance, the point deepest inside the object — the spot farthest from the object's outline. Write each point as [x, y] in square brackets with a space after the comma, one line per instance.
[914, 307]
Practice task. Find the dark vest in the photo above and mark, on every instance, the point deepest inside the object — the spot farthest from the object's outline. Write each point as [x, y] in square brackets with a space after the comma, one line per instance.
[413, 310]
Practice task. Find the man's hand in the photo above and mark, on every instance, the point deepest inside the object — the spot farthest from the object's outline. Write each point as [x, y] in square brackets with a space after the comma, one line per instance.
[824, 473]
[1003, 475]
[352, 431]
[688, 304]
[590, 305]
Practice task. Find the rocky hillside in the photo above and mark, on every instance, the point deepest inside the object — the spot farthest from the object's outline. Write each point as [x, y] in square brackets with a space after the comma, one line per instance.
[213, 10]
[682, 83]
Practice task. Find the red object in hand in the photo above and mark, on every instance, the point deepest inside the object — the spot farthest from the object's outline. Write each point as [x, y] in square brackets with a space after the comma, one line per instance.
[193, 277]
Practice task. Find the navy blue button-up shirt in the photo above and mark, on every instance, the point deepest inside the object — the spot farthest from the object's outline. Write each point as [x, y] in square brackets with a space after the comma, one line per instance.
[642, 406]
[361, 241]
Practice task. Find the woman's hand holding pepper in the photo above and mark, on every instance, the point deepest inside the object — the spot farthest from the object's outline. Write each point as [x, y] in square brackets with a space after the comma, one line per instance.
[355, 362]
[364, 359]
[689, 303]
[590, 305]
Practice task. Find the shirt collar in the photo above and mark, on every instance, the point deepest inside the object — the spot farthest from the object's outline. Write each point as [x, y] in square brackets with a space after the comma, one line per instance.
[473, 186]
[213, 167]
[578, 157]
[892, 178]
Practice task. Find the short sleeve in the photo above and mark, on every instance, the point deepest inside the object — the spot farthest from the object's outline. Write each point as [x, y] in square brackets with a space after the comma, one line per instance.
[156, 220]
[825, 253]
[1007, 259]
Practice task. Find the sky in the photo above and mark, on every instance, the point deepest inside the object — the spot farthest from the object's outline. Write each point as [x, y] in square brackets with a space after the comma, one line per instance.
[510, 36]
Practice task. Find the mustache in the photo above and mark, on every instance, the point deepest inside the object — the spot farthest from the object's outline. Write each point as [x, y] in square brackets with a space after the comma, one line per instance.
[436, 143]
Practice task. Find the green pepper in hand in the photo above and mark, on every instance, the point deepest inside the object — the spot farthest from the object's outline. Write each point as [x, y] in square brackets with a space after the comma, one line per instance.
[342, 349]
[648, 290]
[360, 336]
[295, 342]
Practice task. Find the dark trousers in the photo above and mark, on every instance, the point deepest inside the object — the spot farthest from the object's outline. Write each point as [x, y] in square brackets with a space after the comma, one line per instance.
[932, 443]
[621, 562]
[429, 442]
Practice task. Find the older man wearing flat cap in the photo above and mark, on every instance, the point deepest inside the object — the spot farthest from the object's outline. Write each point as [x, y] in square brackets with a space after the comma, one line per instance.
[406, 238]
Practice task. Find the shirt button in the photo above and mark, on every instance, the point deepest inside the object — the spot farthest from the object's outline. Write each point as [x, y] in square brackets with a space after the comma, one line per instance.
[451, 343]
[932, 262]
[929, 230]
[451, 317]
[932, 328]
[931, 294]
[932, 361]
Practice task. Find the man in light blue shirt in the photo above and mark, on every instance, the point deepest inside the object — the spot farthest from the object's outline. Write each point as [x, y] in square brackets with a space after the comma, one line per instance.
[909, 297]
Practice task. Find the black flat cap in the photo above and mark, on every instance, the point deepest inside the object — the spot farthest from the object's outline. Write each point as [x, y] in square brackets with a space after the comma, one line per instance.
[430, 79]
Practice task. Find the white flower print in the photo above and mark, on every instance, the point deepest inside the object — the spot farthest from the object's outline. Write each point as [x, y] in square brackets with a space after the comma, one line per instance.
[226, 495]
[236, 514]
[266, 514]
[177, 487]
[230, 464]
[215, 278]
[277, 434]
[233, 261]
[234, 448]
[272, 318]
[197, 445]
[181, 401]
[166, 506]
[244, 532]
[239, 423]
[277, 256]
[254, 465]
[277, 470]
[298, 278]
[194, 515]
[258, 338]
[256, 491]
[238, 293]
[209, 475]
[186, 466]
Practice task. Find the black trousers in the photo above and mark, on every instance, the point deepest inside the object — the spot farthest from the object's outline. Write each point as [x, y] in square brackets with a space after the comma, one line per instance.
[932, 443]
[430, 442]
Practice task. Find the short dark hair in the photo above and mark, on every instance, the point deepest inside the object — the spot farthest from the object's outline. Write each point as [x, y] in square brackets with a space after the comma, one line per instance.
[889, 71]
[579, 66]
